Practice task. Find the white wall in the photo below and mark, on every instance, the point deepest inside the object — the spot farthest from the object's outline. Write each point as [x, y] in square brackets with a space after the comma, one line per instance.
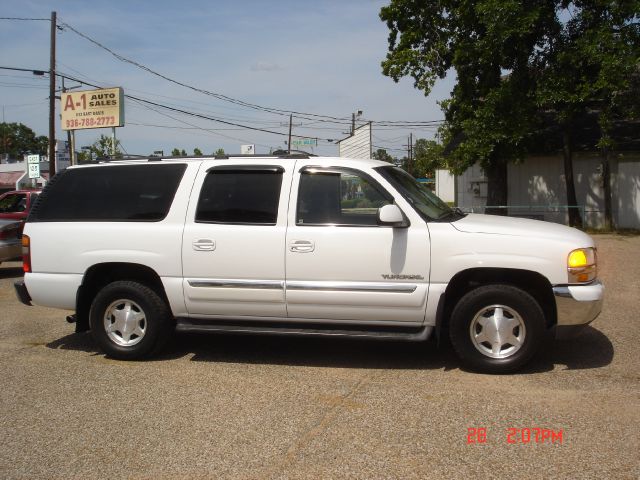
[537, 189]
[626, 193]
[472, 189]
[445, 185]
[357, 145]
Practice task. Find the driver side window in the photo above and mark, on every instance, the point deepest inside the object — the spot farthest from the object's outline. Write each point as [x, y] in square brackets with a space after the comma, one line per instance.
[339, 198]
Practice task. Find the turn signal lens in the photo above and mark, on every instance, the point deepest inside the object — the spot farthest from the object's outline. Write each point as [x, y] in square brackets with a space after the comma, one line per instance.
[26, 254]
[581, 265]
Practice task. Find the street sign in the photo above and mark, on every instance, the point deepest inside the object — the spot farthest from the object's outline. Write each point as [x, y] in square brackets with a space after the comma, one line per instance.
[247, 149]
[33, 166]
[304, 142]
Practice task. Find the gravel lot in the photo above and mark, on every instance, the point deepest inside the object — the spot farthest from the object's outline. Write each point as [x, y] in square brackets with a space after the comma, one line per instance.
[253, 407]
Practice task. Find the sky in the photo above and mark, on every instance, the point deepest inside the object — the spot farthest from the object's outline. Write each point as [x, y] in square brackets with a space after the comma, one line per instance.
[317, 57]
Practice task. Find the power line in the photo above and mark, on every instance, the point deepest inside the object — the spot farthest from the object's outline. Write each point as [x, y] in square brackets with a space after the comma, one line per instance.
[389, 148]
[196, 126]
[219, 96]
[35, 71]
[22, 85]
[197, 89]
[148, 103]
[26, 19]
[17, 105]
[206, 117]
[174, 127]
[194, 114]
[189, 101]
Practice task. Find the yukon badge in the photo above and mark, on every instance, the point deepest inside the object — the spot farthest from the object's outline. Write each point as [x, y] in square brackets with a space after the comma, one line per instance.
[402, 277]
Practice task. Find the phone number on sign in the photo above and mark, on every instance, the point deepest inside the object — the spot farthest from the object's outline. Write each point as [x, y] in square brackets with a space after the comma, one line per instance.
[91, 122]
[517, 435]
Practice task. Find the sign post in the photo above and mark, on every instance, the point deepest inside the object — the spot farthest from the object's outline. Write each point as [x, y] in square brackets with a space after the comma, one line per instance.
[33, 166]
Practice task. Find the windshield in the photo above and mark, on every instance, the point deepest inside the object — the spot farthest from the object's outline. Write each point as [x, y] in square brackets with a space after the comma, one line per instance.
[426, 203]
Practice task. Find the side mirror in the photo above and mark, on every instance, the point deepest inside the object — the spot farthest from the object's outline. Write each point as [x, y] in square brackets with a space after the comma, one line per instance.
[392, 216]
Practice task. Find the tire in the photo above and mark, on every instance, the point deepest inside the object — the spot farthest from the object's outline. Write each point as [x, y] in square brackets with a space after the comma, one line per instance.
[496, 328]
[129, 320]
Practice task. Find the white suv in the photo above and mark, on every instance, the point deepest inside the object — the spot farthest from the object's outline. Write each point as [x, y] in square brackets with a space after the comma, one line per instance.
[298, 245]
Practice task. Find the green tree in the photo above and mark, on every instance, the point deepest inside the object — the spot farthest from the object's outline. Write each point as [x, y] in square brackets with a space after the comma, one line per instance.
[219, 152]
[592, 65]
[183, 152]
[197, 152]
[427, 157]
[381, 154]
[16, 139]
[175, 152]
[489, 115]
[102, 148]
[512, 61]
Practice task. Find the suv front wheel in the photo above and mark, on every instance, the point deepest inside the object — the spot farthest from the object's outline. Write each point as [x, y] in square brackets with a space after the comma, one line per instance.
[496, 328]
[129, 320]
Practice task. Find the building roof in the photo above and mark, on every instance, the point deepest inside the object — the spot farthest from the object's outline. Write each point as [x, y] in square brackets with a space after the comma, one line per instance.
[9, 179]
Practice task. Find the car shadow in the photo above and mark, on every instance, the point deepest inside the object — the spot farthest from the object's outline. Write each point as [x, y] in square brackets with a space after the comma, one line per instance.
[590, 350]
[78, 342]
[314, 352]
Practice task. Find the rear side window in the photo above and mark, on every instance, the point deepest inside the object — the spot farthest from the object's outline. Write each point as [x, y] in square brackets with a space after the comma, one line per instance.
[121, 193]
[240, 196]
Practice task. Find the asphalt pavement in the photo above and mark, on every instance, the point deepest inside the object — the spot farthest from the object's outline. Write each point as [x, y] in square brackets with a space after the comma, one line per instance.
[217, 407]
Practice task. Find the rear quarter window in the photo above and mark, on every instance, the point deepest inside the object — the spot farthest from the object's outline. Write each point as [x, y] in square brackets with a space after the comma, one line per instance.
[121, 193]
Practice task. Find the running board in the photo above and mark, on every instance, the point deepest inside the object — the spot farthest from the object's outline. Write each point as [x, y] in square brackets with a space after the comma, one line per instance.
[184, 325]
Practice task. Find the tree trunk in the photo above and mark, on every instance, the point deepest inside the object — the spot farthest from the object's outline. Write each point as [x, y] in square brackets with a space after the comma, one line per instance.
[497, 192]
[575, 218]
[606, 182]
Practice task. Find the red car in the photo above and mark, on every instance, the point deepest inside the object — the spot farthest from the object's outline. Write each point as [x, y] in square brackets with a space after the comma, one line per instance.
[15, 205]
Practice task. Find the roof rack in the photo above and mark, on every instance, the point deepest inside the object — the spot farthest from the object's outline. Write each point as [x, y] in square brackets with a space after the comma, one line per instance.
[294, 154]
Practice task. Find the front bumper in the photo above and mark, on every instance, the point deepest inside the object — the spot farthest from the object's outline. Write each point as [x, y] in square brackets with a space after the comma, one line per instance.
[577, 306]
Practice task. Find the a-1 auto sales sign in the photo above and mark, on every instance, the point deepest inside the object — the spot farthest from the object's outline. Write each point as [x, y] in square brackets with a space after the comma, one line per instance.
[92, 109]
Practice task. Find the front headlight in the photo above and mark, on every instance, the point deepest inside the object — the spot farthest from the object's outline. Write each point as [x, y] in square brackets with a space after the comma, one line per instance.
[581, 265]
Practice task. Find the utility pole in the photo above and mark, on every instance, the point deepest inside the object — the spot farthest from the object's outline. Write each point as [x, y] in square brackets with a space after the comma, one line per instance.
[290, 125]
[52, 99]
[71, 135]
[410, 154]
[411, 149]
[4, 134]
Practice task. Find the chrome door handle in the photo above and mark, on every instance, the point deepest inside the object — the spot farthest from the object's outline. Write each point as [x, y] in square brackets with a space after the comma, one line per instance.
[204, 245]
[302, 246]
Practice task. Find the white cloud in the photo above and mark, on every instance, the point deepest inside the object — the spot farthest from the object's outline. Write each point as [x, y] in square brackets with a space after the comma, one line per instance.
[265, 67]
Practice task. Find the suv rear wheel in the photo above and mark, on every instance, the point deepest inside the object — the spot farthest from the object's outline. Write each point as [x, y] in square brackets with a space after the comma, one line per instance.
[129, 320]
[496, 328]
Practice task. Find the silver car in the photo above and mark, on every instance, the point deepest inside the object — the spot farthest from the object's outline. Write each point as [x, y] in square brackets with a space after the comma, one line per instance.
[10, 240]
